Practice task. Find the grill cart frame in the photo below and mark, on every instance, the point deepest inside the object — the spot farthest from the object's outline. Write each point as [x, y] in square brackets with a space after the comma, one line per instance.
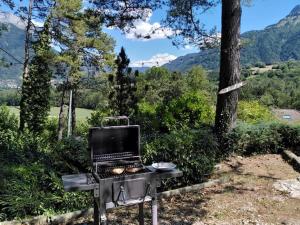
[118, 147]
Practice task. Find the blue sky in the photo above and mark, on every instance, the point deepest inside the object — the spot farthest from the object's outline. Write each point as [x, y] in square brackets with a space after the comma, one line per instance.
[258, 15]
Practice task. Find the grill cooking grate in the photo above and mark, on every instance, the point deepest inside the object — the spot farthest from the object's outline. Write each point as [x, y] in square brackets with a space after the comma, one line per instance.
[125, 173]
[105, 171]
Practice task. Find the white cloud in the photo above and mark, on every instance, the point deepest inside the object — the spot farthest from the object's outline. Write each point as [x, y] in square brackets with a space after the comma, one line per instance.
[144, 30]
[38, 23]
[156, 60]
[188, 47]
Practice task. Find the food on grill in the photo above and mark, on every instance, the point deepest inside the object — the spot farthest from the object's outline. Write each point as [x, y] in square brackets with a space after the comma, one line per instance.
[133, 169]
[117, 170]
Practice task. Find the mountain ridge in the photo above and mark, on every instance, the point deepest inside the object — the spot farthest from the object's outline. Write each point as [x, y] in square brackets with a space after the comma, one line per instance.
[277, 42]
[12, 41]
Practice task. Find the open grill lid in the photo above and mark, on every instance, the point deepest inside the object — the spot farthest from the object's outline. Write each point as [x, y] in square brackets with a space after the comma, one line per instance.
[114, 143]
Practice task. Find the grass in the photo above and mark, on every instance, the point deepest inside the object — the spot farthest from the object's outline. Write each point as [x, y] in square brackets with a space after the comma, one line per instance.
[81, 114]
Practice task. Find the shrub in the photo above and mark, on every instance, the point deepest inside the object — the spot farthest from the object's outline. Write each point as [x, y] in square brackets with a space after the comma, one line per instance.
[192, 151]
[8, 121]
[253, 112]
[71, 155]
[97, 116]
[262, 138]
[191, 110]
[260, 65]
[31, 189]
[146, 117]
[50, 131]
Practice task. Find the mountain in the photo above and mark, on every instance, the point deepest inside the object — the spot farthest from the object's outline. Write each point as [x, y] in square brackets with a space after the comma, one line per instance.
[12, 41]
[140, 69]
[278, 42]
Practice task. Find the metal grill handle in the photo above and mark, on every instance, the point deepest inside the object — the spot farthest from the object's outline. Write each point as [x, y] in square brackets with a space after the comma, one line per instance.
[115, 118]
[121, 194]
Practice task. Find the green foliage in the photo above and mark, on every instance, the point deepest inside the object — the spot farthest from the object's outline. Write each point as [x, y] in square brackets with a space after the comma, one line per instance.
[191, 110]
[196, 79]
[260, 65]
[192, 151]
[7, 121]
[36, 89]
[147, 117]
[31, 169]
[32, 189]
[72, 155]
[262, 138]
[158, 85]
[9, 97]
[91, 47]
[253, 112]
[276, 88]
[96, 118]
[122, 97]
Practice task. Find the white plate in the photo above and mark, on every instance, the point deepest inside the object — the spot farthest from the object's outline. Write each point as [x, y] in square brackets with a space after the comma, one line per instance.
[164, 166]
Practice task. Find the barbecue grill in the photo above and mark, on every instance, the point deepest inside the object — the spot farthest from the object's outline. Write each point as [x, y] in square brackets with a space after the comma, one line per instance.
[118, 177]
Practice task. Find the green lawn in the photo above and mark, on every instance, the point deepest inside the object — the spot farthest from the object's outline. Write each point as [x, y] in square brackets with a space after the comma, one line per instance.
[81, 114]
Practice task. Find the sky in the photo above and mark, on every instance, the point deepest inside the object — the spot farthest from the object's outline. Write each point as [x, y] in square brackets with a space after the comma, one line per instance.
[159, 49]
[257, 16]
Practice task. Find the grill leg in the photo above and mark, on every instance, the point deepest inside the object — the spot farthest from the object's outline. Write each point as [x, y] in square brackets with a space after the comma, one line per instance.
[102, 211]
[141, 213]
[154, 210]
[103, 218]
[99, 213]
[96, 213]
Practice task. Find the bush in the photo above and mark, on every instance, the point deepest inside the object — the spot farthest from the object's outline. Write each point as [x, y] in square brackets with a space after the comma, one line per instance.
[31, 169]
[32, 189]
[192, 151]
[253, 112]
[71, 155]
[191, 110]
[260, 65]
[262, 138]
[146, 117]
[8, 121]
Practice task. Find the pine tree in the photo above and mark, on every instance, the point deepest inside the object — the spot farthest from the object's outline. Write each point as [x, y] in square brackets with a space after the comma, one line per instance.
[123, 100]
[78, 34]
[38, 83]
[37, 9]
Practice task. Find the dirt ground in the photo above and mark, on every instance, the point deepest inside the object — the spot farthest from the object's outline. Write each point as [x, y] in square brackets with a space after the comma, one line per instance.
[248, 197]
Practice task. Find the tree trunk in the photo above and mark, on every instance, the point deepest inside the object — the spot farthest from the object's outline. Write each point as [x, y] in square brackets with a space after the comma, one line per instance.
[61, 121]
[74, 110]
[25, 77]
[226, 110]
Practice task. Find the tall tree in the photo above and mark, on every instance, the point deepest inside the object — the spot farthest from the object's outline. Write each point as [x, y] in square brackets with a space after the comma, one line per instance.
[123, 100]
[78, 34]
[39, 79]
[226, 110]
[36, 9]
[25, 76]
[184, 17]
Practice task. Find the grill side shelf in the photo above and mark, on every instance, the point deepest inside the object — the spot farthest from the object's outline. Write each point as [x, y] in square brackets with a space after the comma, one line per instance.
[79, 182]
[165, 174]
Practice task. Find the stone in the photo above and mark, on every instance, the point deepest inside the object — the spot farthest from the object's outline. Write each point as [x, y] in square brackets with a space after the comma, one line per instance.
[291, 186]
